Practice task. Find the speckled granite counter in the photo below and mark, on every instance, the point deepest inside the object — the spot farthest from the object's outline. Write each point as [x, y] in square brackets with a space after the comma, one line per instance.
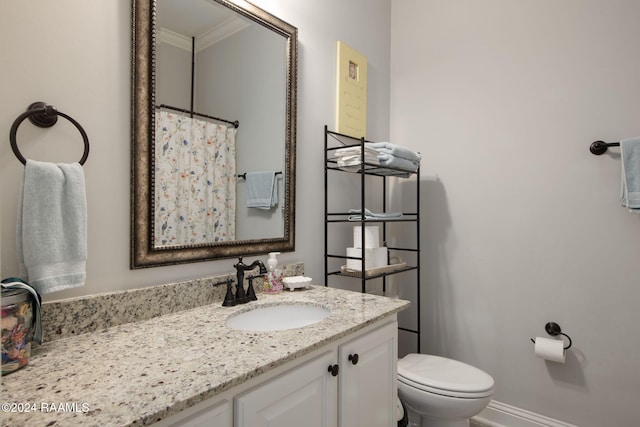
[138, 373]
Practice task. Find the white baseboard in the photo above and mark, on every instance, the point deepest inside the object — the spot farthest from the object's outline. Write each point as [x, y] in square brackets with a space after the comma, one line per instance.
[498, 414]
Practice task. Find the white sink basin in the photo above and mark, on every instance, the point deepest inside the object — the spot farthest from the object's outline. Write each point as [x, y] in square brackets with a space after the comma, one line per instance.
[277, 317]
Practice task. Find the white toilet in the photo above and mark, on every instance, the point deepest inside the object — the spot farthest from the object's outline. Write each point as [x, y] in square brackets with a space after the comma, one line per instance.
[440, 392]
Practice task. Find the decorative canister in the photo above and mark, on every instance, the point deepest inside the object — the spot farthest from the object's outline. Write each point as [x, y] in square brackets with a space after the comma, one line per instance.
[19, 320]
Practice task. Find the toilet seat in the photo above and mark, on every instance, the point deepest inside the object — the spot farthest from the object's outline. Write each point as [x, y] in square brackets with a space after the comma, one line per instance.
[444, 376]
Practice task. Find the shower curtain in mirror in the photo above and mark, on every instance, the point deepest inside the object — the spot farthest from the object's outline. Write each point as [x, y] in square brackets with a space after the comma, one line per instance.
[195, 181]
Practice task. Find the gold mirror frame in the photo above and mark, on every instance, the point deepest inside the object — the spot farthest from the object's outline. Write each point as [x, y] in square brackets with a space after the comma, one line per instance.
[143, 254]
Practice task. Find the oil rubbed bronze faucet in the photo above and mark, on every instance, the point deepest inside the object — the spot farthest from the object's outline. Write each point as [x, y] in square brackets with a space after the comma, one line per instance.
[241, 297]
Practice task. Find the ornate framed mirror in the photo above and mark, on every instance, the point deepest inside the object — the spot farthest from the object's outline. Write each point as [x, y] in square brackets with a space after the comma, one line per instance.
[198, 67]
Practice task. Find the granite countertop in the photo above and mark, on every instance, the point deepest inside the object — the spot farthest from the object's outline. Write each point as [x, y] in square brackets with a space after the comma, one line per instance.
[138, 373]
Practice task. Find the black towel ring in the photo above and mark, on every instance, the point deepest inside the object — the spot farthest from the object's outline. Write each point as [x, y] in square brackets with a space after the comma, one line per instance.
[44, 116]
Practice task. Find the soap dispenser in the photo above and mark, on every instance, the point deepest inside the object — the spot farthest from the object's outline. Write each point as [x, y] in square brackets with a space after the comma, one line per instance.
[273, 280]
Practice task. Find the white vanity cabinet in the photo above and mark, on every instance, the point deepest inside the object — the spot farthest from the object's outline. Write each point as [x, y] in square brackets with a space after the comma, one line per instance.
[305, 392]
[216, 412]
[368, 366]
[361, 394]
[304, 396]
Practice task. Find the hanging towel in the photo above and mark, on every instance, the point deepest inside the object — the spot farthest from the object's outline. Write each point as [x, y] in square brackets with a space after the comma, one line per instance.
[52, 226]
[262, 190]
[630, 187]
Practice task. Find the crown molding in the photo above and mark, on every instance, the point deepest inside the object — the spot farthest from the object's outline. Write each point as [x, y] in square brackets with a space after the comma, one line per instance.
[174, 39]
[220, 32]
[206, 39]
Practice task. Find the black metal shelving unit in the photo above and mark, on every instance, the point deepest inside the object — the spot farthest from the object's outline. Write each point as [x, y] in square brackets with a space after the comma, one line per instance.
[332, 142]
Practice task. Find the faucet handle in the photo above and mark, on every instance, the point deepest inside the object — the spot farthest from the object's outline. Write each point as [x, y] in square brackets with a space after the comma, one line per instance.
[229, 299]
[251, 293]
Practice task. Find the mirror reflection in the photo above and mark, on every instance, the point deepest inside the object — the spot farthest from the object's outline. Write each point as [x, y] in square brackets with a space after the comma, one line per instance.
[221, 132]
[214, 70]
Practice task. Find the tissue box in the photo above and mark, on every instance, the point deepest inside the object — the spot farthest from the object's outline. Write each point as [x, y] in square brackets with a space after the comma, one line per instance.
[371, 236]
[374, 258]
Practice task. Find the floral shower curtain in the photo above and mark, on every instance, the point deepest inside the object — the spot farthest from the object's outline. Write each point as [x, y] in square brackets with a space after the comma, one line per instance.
[195, 181]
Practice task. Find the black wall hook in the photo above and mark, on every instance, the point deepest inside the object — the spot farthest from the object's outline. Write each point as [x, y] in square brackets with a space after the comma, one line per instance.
[554, 330]
[600, 147]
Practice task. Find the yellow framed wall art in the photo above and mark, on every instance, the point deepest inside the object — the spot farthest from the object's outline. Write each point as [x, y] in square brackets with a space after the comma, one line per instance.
[351, 91]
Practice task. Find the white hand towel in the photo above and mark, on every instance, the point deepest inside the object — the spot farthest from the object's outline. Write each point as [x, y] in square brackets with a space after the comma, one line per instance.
[630, 188]
[356, 160]
[52, 226]
[351, 151]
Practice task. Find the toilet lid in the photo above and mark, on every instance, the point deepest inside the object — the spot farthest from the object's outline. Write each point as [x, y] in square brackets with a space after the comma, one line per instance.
[445, 376]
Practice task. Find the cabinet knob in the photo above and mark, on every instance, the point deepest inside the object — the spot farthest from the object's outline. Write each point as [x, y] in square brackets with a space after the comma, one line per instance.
[353, 358]
[334, 370]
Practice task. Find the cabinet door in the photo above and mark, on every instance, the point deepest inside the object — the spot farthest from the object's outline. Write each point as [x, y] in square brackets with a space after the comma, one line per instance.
[206, 414]
[368, 378]
[305, 396]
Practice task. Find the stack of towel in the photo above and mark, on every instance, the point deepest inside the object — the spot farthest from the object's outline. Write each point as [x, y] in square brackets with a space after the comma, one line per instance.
[383, 154]
[349, 158]
[395, 156]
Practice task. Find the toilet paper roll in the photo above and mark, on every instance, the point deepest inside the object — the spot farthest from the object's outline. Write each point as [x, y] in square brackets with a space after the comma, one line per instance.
[374, 258]
[371, 236]
[550, 349]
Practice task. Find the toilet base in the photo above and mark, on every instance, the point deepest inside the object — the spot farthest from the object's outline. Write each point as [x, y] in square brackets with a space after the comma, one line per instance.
[416, 420]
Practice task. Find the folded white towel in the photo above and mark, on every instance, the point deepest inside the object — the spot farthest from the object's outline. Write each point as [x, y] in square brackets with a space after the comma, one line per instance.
[356, 159]
[262, 190]
[52, 226]
[630, 187]
[350, 151]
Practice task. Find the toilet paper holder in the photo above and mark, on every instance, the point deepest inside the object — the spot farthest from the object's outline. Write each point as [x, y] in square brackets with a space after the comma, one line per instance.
[554, 330]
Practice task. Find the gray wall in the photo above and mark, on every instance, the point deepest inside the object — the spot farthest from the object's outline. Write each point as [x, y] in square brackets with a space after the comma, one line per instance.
[173, 79]
[521, 223]
[248, 85]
